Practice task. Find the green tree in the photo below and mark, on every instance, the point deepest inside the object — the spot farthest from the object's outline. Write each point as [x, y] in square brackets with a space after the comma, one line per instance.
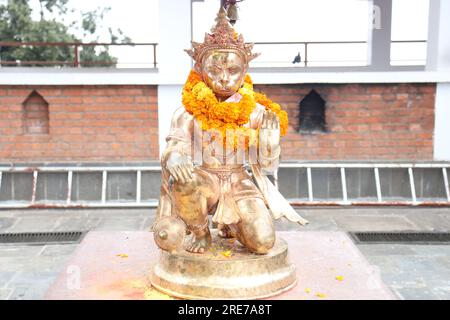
[17, 25]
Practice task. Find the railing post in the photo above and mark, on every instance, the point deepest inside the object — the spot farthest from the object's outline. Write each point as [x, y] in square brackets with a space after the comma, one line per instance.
[154, 55]
[76, 62]
[138, 186]
[377, 184]
[69, 186]
[310, 189]
[444, 174]
[306, 54]
[34, 186]
[344, 186]
[412, 185]
[104, 182]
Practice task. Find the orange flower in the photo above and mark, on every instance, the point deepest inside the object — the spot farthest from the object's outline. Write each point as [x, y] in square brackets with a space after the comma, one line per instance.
[228, 117]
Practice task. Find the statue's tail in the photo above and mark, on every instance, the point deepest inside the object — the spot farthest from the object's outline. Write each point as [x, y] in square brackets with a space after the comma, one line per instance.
[277, 204]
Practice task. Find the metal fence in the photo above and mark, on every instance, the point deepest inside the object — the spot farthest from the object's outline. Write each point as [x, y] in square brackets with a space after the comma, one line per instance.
[77, 47]
[135, 173]
[312, 53]
[326, 53]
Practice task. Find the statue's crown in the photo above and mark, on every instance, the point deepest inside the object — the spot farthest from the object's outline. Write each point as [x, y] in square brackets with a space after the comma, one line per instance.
[223, 36]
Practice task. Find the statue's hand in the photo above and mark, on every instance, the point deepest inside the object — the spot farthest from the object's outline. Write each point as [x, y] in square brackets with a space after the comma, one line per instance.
[180, 167]
[269, 134]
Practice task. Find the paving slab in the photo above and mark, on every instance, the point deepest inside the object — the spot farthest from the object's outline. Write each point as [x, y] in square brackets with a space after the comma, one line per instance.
[414, 276]
[55, 250]
[33, 224]
[148, 222]
[117, 265]
[126, 212]
[34, 292]
[37, 277]
[316, 223]
[5, 223]
[385, 249]
[414, 293]
[15, 251]
[28, 264]
[424, 265]
[430, 222]
[76, 223]
[120, 224]
[432, 250]
[5, 293]
[374, 223]
[5, 278]
[441, 292]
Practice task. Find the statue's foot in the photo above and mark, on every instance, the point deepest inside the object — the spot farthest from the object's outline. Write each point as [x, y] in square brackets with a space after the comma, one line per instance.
[200, 243]
[224, 231]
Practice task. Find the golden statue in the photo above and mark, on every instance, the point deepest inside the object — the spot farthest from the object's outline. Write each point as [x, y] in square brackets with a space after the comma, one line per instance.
[222, 127]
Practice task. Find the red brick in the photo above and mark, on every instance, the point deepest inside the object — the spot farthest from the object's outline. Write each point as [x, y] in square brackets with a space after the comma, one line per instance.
[76, 131]
[365, 121]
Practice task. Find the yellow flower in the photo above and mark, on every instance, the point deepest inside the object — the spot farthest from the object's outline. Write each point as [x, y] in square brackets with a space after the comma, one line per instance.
[122, 255]
[199, 100]
[308, 290]
[226, 254]
[152, 294]
[339, 278]
[321, 295]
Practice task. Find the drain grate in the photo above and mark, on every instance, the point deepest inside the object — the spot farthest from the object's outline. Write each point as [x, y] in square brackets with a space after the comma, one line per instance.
[401, 237]
[40, 238]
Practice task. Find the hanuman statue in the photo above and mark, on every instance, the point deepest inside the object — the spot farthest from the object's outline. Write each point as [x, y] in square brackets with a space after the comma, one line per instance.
[222, 127]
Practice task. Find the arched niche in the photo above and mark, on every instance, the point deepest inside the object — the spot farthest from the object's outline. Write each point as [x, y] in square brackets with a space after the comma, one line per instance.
[312, 113]
[35, 114]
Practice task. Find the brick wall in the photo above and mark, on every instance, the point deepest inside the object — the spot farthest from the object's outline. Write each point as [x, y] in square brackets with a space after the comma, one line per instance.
[119, 123]
[364, 121]
[85, 123]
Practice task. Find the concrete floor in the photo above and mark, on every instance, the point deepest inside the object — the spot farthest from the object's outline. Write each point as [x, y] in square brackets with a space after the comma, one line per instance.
[411, 271]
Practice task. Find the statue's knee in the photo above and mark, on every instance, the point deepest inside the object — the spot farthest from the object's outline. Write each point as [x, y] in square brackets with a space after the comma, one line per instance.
[262, 241]
[257, 228]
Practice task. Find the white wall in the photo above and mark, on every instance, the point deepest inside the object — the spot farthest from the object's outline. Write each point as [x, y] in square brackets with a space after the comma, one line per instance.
[438, 60]
[169, 99]
[438, 54]
[442, 122]
[173, 63]
[174, 36]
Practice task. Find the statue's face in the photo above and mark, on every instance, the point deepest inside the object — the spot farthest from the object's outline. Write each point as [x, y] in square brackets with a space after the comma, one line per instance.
[223, 71]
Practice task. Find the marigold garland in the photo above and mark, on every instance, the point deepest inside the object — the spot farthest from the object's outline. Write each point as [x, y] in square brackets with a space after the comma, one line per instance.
[228, 117]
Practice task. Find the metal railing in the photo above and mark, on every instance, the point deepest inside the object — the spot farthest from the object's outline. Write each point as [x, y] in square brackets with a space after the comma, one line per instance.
[375, 166]
[76, 47]
[67, 203]
[307, 44]
[76, 62]
[311, 201]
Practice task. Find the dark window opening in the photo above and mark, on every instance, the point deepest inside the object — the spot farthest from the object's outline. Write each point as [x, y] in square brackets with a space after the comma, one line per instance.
[312, 113]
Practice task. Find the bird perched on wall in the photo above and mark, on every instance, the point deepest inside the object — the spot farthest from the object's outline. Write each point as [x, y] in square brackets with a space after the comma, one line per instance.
[297, 59]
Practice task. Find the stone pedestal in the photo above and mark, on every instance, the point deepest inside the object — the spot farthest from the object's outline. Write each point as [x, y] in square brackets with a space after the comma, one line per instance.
[226, 271]
[118, 265]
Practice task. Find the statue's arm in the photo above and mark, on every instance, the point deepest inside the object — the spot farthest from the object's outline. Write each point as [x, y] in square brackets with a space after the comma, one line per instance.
[176, 159]
[178, 146]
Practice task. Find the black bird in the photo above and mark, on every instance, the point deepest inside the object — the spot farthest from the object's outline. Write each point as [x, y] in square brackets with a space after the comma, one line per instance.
[297, 59]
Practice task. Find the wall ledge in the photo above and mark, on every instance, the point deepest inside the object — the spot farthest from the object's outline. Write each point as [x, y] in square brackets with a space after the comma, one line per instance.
[103, 76]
